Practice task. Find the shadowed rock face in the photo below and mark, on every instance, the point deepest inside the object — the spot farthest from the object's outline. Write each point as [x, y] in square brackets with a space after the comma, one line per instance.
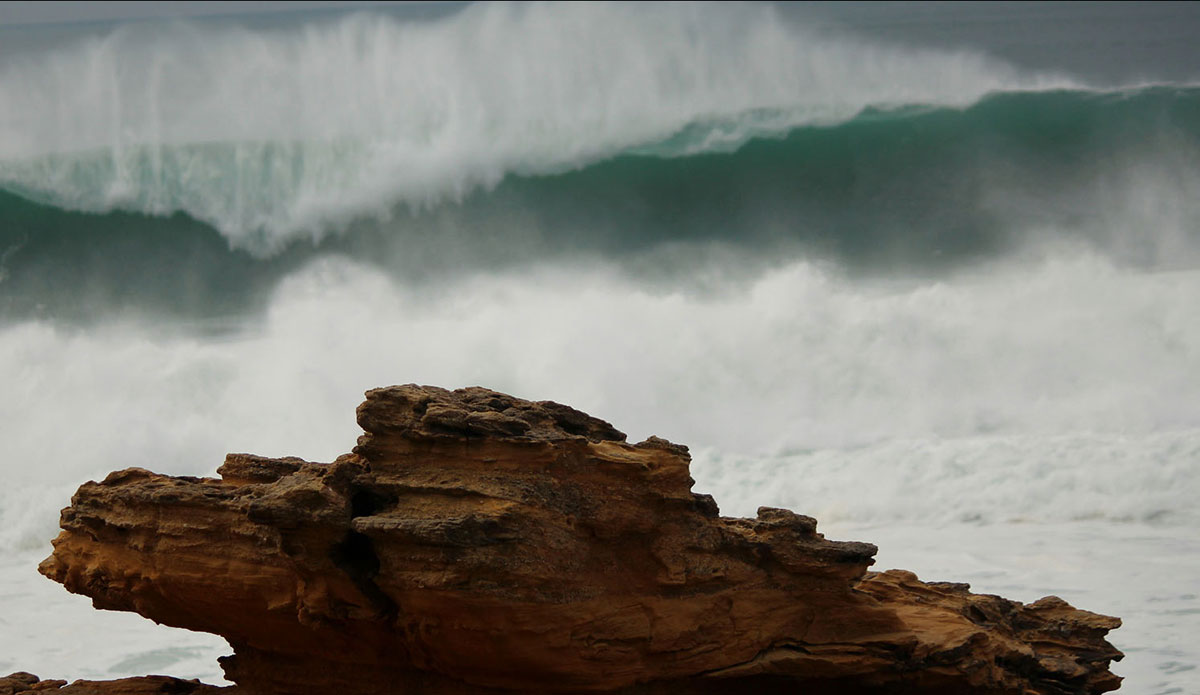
[476, 543]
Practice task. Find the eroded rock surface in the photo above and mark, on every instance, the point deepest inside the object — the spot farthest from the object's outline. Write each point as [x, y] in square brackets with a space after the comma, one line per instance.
[477, 543]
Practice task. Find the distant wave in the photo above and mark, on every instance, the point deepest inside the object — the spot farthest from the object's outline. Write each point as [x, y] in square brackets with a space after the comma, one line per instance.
[922, 183]
[274, 134]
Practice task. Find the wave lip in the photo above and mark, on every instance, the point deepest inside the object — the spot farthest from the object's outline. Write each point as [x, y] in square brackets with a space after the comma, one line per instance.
[275, 133]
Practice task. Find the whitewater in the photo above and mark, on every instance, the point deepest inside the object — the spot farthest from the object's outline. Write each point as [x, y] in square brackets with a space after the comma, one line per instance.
[941, 301]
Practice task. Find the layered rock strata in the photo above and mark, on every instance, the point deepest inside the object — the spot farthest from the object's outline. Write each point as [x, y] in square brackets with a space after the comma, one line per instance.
[477, 543]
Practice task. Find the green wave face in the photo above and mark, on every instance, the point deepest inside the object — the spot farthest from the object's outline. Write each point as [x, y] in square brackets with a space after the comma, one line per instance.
[909, 183]
[905, 190]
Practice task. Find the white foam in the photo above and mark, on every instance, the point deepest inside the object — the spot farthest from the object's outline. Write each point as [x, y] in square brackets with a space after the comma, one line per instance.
[1011, 389]
[273, 133]
[1106, 475]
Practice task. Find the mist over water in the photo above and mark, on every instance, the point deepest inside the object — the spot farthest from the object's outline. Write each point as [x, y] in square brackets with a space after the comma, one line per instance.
[892, 285]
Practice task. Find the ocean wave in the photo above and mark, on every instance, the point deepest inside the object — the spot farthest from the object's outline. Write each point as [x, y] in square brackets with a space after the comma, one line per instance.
[922, 188]
[277, 133]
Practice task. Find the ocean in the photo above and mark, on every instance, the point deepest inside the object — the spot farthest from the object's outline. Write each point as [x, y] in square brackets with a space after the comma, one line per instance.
[927, 272]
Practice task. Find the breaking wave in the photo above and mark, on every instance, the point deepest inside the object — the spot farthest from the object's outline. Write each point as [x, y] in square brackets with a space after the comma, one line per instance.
[278, 133]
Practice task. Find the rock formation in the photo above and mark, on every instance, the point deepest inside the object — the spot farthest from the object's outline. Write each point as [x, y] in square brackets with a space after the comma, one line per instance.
[477, 543]
[22, 683]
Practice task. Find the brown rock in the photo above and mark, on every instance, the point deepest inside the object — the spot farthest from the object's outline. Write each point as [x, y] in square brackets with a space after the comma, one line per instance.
[145, 685]
[477, 543]
[19, 682]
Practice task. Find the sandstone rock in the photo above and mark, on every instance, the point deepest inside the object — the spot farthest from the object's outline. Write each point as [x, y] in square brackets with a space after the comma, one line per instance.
[18, 682]
[477, 543]
[26, 683]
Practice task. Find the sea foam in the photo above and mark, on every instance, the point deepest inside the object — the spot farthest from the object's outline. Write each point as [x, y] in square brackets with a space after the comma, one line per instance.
[1043, 392]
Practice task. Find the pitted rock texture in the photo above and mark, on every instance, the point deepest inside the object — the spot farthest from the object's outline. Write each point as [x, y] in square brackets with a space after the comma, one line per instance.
[476, 543]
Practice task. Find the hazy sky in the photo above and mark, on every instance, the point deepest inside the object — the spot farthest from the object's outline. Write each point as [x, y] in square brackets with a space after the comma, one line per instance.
[77, 11]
